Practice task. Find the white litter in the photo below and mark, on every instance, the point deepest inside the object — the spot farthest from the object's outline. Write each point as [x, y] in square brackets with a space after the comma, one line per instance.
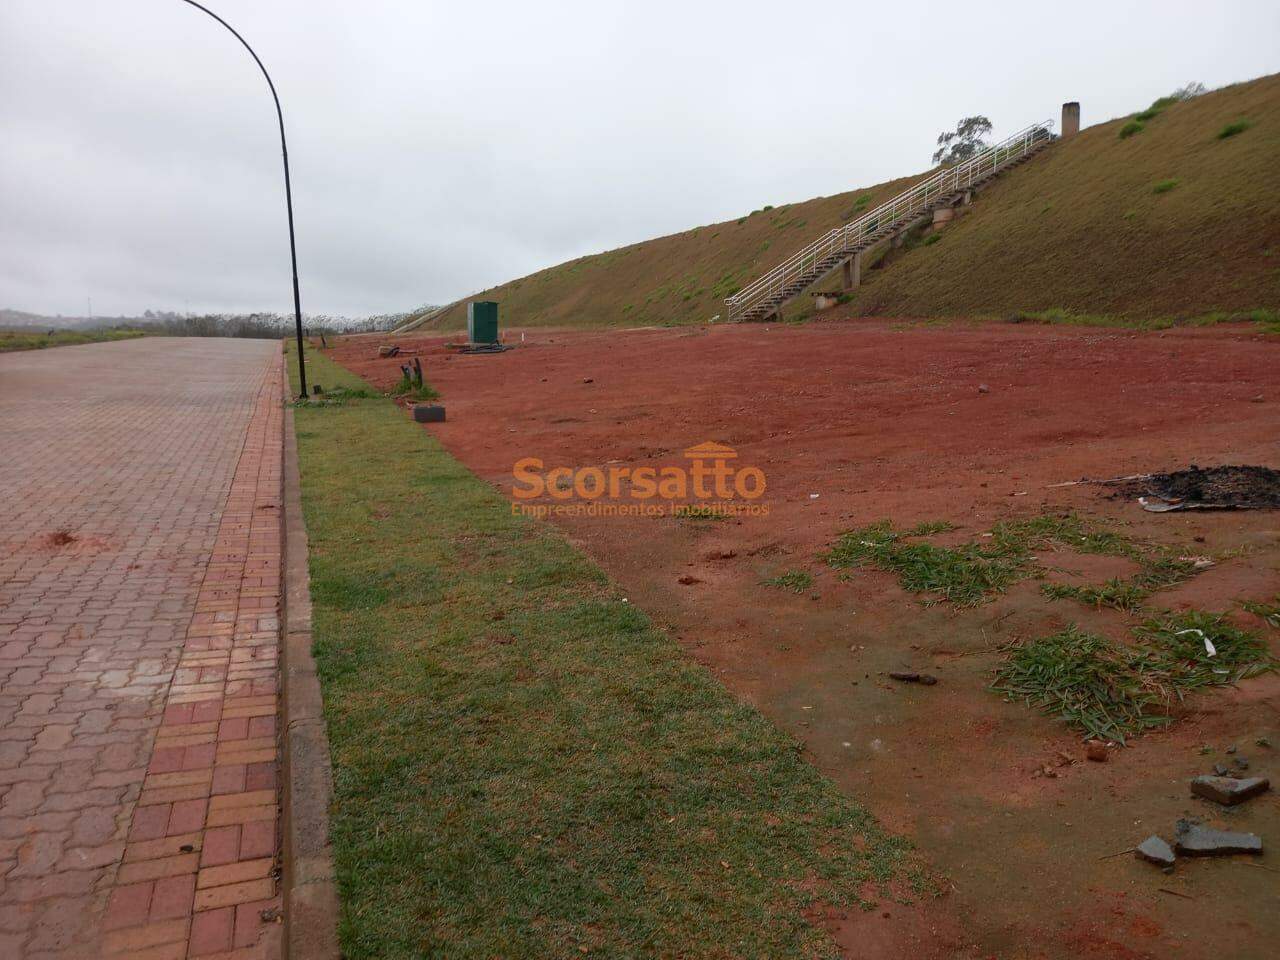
[1209, 648]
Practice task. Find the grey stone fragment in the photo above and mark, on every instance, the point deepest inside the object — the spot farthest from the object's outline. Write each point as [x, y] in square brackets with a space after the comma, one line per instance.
[1155, 850]
[1228, 790]
[905, 676]
[1197, 841]
[428, 413]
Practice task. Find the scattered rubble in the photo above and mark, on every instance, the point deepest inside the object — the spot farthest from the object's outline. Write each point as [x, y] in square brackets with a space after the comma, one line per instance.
[388, 351]
[1155, 850]
[1228, 790]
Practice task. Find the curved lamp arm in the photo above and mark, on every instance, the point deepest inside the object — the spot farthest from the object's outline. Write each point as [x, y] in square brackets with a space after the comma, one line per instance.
[288, 191]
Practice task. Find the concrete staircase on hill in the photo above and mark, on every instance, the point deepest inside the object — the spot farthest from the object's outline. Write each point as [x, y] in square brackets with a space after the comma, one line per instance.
[413, 323]
[844, 246]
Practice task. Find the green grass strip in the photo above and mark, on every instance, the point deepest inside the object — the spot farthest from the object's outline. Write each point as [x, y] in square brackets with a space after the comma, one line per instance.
[524, 766]
[30, 340]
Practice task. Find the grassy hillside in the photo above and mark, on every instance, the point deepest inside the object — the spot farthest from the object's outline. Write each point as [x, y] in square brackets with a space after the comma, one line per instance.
[1169, 221]
[1173, 220]
[682, 278]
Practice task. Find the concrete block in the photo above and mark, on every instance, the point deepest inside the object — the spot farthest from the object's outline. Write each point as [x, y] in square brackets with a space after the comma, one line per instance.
[1070, 119]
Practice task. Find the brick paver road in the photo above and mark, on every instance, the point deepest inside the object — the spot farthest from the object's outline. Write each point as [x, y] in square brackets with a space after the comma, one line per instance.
[139, 592]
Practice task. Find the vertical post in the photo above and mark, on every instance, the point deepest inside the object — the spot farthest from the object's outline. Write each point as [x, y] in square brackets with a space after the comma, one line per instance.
[1070, 119]
[852, 270]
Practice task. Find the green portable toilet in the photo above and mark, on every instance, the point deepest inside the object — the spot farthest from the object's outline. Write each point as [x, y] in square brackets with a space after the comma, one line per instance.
[482, 321]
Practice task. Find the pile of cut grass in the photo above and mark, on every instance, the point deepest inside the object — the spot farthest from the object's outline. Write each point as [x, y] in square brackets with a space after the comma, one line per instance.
[965, 575]
[1160, 569]
[1111, 690]
[972, 573]
[524, 766]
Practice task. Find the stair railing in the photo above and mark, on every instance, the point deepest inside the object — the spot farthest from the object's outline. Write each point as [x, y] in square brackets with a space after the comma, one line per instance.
[909, 203]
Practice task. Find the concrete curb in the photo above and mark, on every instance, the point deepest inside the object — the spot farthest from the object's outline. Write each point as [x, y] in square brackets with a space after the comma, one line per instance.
[310, 891]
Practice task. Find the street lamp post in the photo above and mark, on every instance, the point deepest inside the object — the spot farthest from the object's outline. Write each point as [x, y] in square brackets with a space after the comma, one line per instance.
[288, 192]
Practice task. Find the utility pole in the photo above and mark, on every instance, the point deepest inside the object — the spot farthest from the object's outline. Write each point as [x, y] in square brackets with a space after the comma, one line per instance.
[288, 192]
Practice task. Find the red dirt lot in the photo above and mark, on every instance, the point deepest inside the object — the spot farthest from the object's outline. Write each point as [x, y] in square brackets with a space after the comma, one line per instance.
[854, 422]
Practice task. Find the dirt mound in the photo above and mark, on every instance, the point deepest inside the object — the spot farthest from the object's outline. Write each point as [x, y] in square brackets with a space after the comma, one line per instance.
[1225, 486]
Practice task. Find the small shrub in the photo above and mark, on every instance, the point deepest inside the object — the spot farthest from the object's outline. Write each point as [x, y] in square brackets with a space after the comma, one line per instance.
[1156, 108]
[407, 387]
[931, 239]
[1231, 129]
[1130, 128]
[1164, 186]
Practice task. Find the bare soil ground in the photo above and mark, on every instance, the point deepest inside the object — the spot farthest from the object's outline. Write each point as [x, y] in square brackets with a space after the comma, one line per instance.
[889, 420]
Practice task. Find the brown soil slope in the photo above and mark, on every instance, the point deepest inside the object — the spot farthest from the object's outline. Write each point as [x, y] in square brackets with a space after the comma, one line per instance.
[1080, 228]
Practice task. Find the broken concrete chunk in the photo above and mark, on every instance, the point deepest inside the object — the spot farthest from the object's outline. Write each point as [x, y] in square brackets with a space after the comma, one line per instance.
[1197, 841]
[1155, 850]
[1228, 790]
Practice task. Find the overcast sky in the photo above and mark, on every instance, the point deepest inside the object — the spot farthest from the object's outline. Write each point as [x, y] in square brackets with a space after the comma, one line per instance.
[441, 147]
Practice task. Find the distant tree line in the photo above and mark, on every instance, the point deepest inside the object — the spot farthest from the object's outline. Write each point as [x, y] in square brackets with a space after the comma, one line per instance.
[260, 326]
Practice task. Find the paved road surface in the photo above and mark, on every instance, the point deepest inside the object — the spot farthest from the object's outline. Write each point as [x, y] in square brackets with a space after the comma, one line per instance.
[139, 591]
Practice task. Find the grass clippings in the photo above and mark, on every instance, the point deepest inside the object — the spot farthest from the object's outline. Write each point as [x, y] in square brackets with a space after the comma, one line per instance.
[1111, 690]
[797, 581]
[974, 572]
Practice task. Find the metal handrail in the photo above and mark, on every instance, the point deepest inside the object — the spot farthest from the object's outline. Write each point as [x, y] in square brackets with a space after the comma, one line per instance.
[907, 204]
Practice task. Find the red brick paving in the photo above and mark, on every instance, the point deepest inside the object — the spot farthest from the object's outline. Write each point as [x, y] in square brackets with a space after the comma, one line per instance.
[138, 675]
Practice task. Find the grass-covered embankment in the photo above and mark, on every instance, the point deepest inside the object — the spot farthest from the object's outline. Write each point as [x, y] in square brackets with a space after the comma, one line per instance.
[524, 765]
[1172, 221]
[1177, 219]
[28, 340]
